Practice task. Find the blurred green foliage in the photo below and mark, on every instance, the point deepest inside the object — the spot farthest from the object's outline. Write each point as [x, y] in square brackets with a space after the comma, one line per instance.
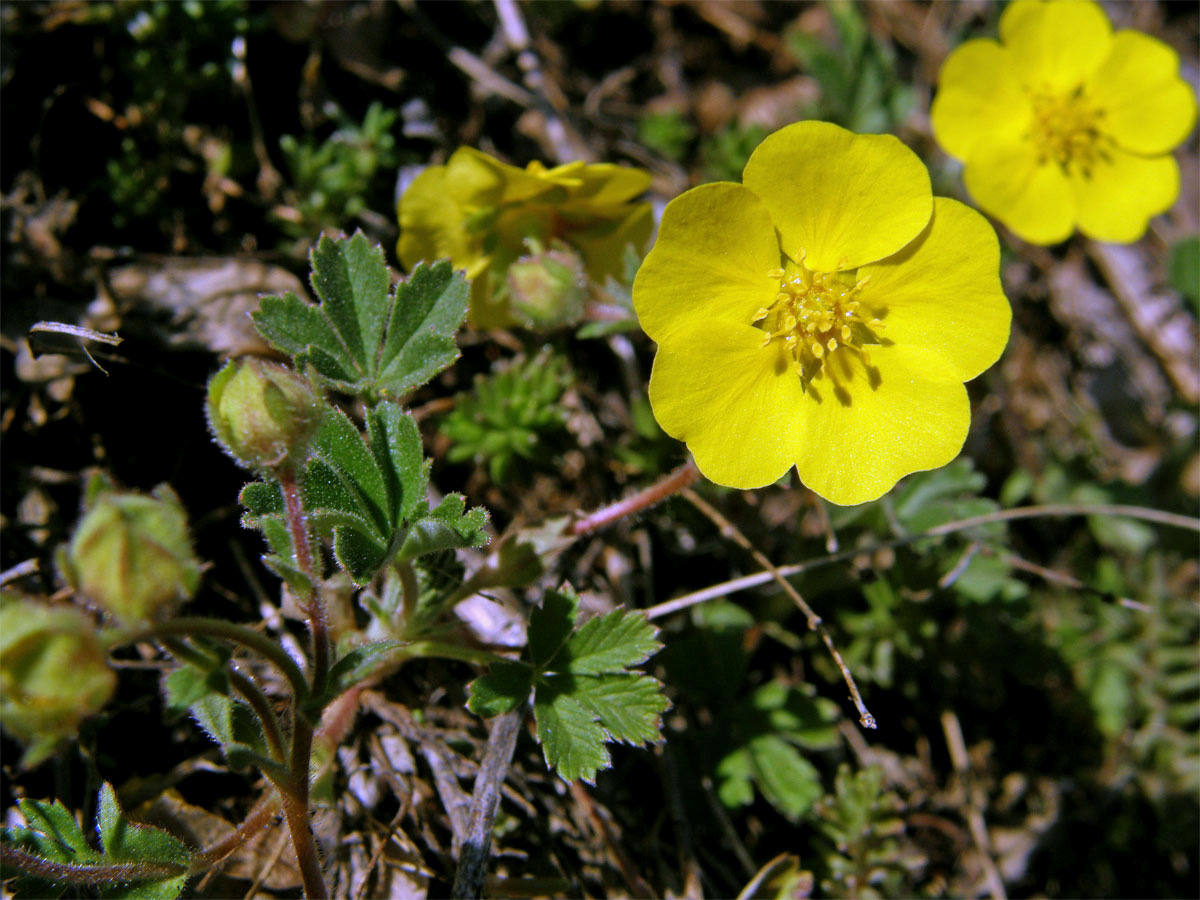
[860, 87]
[1183, 269]
[511, 415]
[723, 155]
[164, 60]
[862, 823]
[668, 133]
[332, 179]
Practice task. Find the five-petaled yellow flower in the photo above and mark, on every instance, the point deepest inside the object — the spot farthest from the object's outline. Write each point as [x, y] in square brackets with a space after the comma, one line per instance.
[480, 212]
[824, 314]
[1064, 123]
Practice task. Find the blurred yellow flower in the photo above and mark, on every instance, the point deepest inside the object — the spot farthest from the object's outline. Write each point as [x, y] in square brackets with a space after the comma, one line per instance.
[824, 314]
[480, 212]
[1063, 123]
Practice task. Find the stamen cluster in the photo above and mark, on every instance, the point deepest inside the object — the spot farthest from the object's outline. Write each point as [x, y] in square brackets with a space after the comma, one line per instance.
[815, 314]
[1067, 130]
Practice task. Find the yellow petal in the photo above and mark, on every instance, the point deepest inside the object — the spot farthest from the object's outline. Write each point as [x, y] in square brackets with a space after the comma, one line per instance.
[1035, 201]
[431, 223]
[858, 442]
[605, 184]
[844, 199]
[942, 292]
[486, 181]
[1055, 45]
[715, 245]
[978, 99]
[734, 402]
[1121, 195]
[604, 253]
[1148, 108]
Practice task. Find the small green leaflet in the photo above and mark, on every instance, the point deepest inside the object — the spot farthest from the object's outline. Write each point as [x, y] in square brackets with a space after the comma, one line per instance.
[584, 695]
[138, 862]
[361, 339]
[369, 495]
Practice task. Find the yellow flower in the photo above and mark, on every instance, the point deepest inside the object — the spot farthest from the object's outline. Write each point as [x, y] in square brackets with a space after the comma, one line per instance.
[479, 212]
[824, 314]
[1064, 123]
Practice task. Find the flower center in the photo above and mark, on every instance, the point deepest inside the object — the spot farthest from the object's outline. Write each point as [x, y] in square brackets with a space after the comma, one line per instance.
[1067, 130]
[816, 315]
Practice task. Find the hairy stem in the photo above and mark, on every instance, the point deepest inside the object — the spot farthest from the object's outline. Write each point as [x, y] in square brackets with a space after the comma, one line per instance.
[85, 873]
[295, 796]
[189, 626]
[685, 475]
[295, 808]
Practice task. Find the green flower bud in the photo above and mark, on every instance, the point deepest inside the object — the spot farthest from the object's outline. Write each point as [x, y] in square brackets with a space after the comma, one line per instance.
[263, 413]
[53, 673]
[547, 288]
[131, 554]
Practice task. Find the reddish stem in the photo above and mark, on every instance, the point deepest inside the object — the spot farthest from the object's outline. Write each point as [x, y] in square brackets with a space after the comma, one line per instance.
[684, 476]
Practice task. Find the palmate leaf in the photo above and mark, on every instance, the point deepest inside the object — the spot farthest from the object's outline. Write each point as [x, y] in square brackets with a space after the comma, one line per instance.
[136, 861]
[361, 339]
[368, 495]
[584, 695]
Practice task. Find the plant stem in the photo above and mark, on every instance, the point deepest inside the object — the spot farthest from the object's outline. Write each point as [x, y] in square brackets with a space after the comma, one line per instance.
[684, 476]
[295, 809]
[297, 524]
[243, 684]
[440, 650]
[746, 582]
[248, 688]
[187, 626]
[295, 797]
[86, 873]
[257, 819]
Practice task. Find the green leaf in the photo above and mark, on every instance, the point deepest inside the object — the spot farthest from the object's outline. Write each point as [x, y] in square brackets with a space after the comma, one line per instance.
[356, 665]
[428, 309]
[629, 707]
[122, 839]
[550, 625]
[505, 687]
[188, 685]
[583, 695]
[788, 781]
[609, 643]
[360, 339]
[572, 741]
[448, 527]
[52, 834]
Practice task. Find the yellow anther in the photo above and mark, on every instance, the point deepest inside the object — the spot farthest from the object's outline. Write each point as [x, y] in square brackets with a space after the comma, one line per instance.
[762, 313]
[877, 324]
[766, 339]
[832, 345]
[866, 357]
[789, 322]
[845, 334]
[817, 350]
[775, 273]
[790, 341]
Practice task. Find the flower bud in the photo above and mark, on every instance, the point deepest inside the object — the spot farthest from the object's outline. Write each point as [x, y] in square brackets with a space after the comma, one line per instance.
[53, 673]
[131, 554]
[263, 413]
[547, 288]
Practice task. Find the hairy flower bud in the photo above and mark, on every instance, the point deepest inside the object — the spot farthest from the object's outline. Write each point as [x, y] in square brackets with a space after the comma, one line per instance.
[547, 288]
[263, 413]
[53, 673]
[131, 554]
